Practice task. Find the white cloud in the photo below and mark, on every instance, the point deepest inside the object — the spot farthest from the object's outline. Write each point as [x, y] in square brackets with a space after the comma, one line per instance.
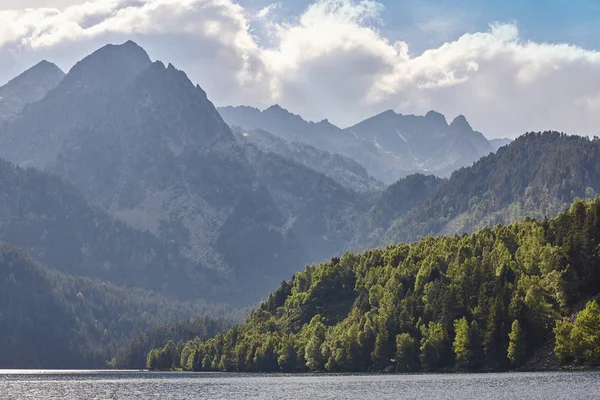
[332, 61]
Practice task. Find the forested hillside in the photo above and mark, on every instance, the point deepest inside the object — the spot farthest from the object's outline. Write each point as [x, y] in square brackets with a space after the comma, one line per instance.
[481, 301]
[537, 175]
[60, 228]
[52, 320]
[402, 197]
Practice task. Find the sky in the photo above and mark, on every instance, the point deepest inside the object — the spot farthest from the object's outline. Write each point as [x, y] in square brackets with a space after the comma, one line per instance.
[509, 66]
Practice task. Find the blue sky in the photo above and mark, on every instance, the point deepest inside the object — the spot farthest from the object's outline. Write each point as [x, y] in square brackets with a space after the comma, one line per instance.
[556, 21]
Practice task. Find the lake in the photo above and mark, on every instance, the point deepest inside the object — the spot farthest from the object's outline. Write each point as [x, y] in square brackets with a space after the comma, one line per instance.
[101, 385]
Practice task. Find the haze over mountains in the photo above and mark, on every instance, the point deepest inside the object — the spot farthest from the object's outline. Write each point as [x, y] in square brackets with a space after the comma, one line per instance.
[123, 171]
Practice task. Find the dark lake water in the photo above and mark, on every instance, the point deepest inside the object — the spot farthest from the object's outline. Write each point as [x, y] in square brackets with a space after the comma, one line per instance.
[88, 385]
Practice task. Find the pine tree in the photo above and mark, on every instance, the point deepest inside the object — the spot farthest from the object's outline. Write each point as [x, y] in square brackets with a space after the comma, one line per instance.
[383, 351]
[463, 342]
[407, 358]
[434, 346]
[517, 345]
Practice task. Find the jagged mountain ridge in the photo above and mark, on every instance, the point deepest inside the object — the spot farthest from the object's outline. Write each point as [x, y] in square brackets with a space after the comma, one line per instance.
[37, 134]
[427, 141]
[29, 87]
[322, 135]
[389, 145]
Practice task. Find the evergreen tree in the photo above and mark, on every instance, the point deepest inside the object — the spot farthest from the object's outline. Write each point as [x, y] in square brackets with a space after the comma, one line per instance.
[463, 342]
[434, 346]
[517, 346]
[407, 357]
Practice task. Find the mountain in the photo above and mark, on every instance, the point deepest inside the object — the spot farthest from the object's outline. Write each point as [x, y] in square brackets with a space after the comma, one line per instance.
[427, 142]
[497, 143]
[537, 175]
[322, 135]
[53, 320]
[389, 145]
[327, 218]
[344, 170]
[141, 140]
[29, 87]
[487, 301]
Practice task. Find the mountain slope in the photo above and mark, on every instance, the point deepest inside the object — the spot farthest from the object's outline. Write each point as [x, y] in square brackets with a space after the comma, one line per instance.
[537, 175]
[344, 170]
[29, 87]
[52, 320]
[327, 217]
[56, 224]
[486, 301]
[37, 135]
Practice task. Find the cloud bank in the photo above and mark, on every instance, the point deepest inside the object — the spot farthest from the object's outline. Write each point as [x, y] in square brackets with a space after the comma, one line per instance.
[331, 61]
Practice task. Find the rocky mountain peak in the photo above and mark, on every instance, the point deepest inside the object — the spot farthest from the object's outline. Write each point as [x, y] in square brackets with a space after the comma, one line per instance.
[111, 67]
[277, 109]
[43, 68]
[388, 114]
[31, 86]
[436, 117]
[460, 123]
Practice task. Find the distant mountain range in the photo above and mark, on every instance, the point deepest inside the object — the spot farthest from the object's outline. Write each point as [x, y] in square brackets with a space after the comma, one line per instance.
[389, 145]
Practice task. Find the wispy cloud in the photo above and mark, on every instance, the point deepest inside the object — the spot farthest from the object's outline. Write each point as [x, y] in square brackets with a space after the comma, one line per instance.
[268, 10]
